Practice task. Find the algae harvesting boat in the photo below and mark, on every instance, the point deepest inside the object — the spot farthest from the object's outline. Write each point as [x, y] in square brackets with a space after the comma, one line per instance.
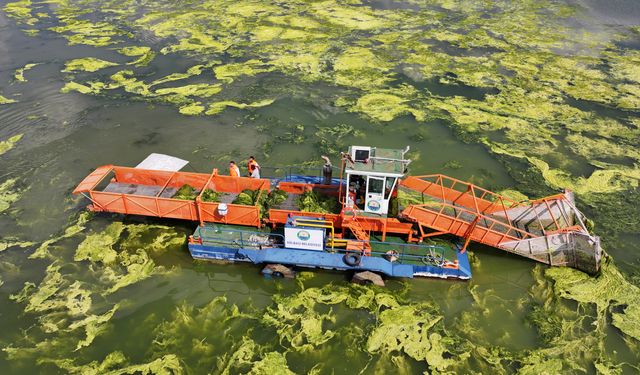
[372, 220]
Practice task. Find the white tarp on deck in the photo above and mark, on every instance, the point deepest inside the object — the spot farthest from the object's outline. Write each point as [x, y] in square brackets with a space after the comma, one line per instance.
[161, 162]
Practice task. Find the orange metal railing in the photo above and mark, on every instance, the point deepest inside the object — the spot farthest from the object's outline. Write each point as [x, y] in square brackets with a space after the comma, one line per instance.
[195, 210]
[452, 206]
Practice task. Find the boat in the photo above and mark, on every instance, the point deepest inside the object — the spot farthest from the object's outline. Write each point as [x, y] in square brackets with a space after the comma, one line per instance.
[374, 219]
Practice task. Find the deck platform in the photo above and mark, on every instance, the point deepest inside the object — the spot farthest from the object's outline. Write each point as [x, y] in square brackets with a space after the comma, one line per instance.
[229, 243]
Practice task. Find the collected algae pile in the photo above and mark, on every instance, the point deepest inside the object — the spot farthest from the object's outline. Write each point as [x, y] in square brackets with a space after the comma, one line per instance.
[265, 200]
[311, 201]
[189, 193]
[548, 90]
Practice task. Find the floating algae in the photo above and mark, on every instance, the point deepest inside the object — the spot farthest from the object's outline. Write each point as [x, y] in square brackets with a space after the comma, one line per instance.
[408, 329]
[43, 250]
[217, 107]
[116, 364]
[145, 55]
[87, 64]
[192, 71]
[297, 321]
[385, 106]
[360, 67]
[7, 243]
[4, 100]
[601, 148]
[92, 88]
[331, 139]
[63, 300]
[514, 195]
[81, 31]
[273, 362]
[200, 335]
[45, 297]
[19, 73]
[192, 109]
[230, 72]
[245, 360]
[154, 239]
[608, 180]
[125, 79]
[65, 304]
[7, 194]
[610, 292]
[93, 325]
[200, 89]
[98, 247]
[138, 266]
[21, 11]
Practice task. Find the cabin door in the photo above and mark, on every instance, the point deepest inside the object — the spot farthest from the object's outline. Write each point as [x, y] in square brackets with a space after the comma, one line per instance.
[374, 199]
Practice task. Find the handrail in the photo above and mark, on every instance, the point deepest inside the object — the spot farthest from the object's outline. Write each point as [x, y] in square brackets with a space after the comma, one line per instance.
[287, 171]
[204, 237]
[402, 255]
[245, 235]
[511, 227]
[455, 181]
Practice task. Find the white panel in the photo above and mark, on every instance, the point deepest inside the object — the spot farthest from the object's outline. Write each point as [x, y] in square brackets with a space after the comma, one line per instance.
[161, 162]
[304, 238]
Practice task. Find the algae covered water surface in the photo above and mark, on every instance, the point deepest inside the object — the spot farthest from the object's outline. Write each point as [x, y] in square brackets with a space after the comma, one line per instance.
[522, 96]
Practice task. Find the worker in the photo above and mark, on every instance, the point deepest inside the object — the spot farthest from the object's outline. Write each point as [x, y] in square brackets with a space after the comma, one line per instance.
[252, 164]
[256, 171]
[234, 171]
[327, 170]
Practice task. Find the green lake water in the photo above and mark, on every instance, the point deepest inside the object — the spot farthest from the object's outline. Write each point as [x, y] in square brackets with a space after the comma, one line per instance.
[524, 95]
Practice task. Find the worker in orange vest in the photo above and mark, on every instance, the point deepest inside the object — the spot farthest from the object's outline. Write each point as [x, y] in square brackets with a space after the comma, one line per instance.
[234, 171]
[253, 167]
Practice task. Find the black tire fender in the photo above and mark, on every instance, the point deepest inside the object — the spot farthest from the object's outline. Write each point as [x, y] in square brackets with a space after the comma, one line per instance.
[352, 259]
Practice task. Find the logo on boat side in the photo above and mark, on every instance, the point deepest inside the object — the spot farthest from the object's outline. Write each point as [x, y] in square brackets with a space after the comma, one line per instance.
[303, 235]
[373, 205]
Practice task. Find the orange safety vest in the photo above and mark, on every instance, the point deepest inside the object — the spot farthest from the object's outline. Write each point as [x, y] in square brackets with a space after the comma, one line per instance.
[251, 165]
[234, 171]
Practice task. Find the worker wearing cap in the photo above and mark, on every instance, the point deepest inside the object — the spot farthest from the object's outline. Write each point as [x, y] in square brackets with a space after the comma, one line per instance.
[234, 171]
[252, 165]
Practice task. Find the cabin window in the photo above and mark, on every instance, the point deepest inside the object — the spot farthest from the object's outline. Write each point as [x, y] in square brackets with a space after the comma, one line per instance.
[376, 186]
[389, 187]
[361, 155]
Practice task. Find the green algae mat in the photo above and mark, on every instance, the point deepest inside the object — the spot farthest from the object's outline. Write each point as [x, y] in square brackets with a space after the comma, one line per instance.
[528, 97]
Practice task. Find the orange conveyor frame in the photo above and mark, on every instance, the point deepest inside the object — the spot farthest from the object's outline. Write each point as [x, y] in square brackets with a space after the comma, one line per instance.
[194, 210]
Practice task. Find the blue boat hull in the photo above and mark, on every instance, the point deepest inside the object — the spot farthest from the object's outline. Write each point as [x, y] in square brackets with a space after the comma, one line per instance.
[328, 260]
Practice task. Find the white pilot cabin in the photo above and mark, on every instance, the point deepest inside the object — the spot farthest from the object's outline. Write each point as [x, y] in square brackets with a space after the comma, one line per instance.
[372, 177]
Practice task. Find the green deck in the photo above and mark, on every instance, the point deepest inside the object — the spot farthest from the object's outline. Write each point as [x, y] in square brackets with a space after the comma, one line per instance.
[444, 250]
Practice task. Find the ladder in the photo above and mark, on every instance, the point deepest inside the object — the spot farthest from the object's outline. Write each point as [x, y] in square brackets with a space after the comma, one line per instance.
[362, 244]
